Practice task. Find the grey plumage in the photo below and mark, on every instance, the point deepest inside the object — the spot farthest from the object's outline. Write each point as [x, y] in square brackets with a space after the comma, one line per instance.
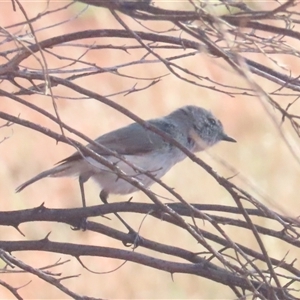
[192, 126]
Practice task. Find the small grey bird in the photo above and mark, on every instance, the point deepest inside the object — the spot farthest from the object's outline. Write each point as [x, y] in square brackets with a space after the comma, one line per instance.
[192, 126]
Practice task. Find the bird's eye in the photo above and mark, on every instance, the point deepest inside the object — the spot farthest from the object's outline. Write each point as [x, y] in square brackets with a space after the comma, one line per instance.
[212, 121]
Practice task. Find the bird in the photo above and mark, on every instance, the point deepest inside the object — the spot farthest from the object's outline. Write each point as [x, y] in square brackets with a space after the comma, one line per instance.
[192, 126]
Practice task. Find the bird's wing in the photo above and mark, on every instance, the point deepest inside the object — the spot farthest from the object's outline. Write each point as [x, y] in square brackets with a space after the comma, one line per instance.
[133, 139]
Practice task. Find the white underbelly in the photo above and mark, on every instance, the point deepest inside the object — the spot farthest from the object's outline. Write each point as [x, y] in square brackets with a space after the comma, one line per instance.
[156, 164]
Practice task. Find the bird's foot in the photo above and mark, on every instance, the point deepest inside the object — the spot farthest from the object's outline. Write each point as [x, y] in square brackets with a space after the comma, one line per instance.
[135, 239]
[81, 225]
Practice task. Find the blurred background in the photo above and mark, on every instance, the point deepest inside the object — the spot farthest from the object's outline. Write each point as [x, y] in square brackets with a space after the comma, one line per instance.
[261, 161]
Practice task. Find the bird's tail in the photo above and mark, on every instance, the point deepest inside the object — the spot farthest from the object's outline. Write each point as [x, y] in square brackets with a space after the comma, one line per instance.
[54, 172]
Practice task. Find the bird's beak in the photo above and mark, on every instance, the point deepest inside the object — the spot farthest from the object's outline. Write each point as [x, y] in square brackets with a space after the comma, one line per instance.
[228, 138]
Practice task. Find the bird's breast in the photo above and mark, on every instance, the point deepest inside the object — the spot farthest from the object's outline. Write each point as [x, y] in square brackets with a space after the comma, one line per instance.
[199, 143]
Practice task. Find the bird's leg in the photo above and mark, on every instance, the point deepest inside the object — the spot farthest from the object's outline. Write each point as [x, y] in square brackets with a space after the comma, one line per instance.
[103, 196]
[82, 180]
[82, 223]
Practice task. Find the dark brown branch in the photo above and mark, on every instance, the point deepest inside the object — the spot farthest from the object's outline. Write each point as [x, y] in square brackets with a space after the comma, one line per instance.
[204, 269]
[51, 280]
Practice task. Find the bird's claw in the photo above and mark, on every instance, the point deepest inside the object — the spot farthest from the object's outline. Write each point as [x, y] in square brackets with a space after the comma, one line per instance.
[137, 239]
[82, 225]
